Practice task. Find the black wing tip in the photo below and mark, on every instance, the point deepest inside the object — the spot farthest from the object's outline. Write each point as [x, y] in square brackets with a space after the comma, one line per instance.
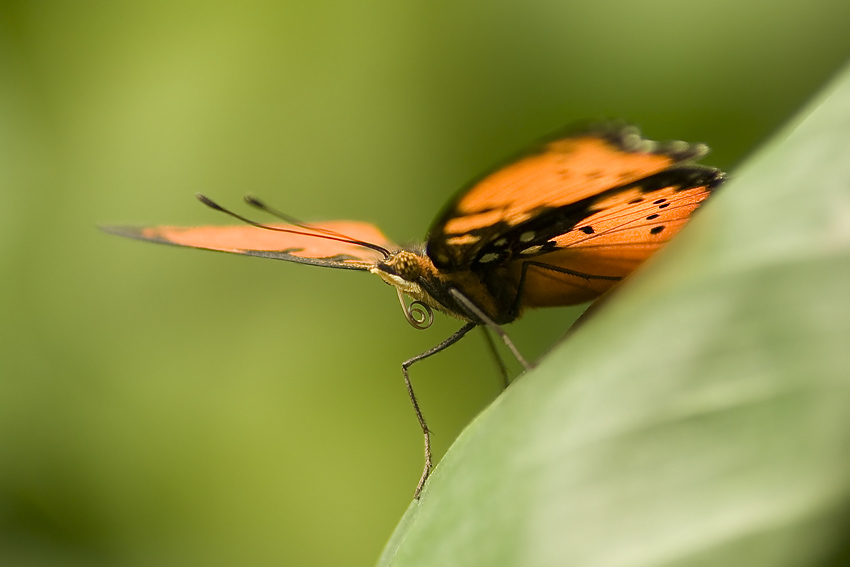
[121, 230]
[718, 179]
[685, 176]
[628, 138]
[134, 232]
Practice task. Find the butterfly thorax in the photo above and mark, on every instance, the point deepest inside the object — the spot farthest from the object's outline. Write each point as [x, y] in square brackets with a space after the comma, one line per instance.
[416, 276]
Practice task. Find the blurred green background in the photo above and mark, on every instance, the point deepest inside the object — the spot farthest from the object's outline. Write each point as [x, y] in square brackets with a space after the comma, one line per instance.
[175, 407]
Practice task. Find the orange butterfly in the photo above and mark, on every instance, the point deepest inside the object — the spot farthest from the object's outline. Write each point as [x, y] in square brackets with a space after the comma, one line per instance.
[559, 225]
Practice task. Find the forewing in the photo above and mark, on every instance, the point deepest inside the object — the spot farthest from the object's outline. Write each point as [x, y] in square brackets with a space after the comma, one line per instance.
[278, 241]
[559, 172]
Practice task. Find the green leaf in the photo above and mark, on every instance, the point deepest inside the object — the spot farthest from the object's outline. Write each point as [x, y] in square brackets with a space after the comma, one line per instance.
[701, 416]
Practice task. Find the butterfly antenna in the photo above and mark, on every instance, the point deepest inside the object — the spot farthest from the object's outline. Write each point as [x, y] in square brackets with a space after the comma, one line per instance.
[329, 235]
[255, 202]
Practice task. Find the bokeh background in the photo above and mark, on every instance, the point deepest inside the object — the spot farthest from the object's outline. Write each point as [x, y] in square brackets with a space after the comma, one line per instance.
[176, 407]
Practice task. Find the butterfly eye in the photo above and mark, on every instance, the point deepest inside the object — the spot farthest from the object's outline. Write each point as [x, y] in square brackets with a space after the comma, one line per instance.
[404, 265]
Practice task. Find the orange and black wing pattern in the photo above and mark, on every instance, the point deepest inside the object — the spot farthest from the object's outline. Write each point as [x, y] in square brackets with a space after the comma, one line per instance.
[583, 211]
[615, 232]
[329, 244]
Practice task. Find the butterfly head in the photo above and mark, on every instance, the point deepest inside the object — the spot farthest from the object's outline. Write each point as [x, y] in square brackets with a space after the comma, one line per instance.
[403, 270]
[414, 275]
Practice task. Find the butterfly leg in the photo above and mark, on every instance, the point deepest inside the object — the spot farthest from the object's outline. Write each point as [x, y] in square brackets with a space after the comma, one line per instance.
[476, 312]
[503, 370]
[528, 264]
[425, 431]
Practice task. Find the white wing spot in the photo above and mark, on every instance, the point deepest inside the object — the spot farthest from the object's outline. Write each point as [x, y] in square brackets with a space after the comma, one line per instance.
[462, 239]
[677, 146]
[488, 258]
[646, 146]
[631, 141]
[531, 250]
[501, 242]
[526, 236]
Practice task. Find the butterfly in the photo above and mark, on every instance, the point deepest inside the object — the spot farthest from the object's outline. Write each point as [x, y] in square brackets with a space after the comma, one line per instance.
[560, 224]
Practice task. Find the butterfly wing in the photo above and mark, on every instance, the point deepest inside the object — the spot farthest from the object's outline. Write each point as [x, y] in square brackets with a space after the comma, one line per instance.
[558, 172]
[616, 232]
[278, 241]
[577, 215]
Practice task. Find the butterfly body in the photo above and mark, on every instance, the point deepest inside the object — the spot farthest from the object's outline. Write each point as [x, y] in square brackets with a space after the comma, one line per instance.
[558, 225]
